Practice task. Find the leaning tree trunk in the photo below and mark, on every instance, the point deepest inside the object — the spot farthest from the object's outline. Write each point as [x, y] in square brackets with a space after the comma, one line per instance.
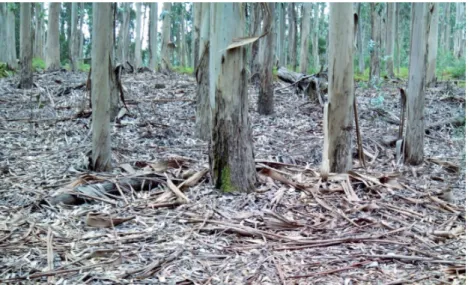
[26, 80]
[53, 45]
[265, 103]
[281, 41]
[414, 138]
[73, 42]
[101, 69]
[339, 122]
[138, 36]
[374, 69]
[166, 39]
[153, 35]
[433, 23]
[390, 42]
[203, 119]
[315, 31]
[305, 27]
[292, 36]
[360, 39]
[231, 156]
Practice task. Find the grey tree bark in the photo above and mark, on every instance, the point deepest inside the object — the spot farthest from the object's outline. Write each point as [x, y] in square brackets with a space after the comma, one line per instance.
[101, 86]
[7, 33]
[166, 39]
[390, 42]
[26, 80]
[124, 34]
[53, 45]
[74, 44]
[448, 29]
[81, 34]
[414, 137]
[197, 15]
[183, 52]
[265, 103]
[433, 23]
[397, 38]
[138, 36]
[305, 35]
[374, 68]
[458, 31]
[39, 35]
[293, 36]
[315, 31]
[153, 35]
[254, 31]
[231, 152]
[338, 117]
[360, 39]
[203, 117]
[281, 34]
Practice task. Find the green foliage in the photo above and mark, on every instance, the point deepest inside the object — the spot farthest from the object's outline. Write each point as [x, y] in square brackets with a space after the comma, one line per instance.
[403, 73]
[183, 70]
[84, 67]
[322, 45]
[38, 64]
[362, 77]
[226, 185]
[4, 70]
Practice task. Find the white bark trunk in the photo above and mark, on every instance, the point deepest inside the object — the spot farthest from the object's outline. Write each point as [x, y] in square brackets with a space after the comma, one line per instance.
[433, 23]
[153, 35]
[166, 39]
[53, 44]
[138, 36]
[390, 43]
[281, 41]
[197, 15]
[183, 53]
[292, 36]
[74, 44]
[101, 89]
[231, 156]
[81, 35]
[458, 34]
[124, 33]
[39, 35]
[414, 138]
[448, 29]
[265, 103]
[26, 80]
[315, 31]
[360, 39]
[305, 35]
[374, 69]
[339, 122]
[7, 34]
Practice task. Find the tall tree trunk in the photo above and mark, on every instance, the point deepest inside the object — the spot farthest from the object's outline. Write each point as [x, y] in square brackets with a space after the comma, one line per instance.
[39, 35]
[138, 36]
[433, 23]
[203, 120]
[305, 27]
[81, 34]
[26, 80]
[183, 53]
[383, 28]
[166, 39]
[153, 35]
[292, 36]
[360, 39]
[414, 138]
[231, 156]
[254, 31]
[397, 38]
[7, 34]
[265, 104]
[315, 31]
[390, 42]
[448, 29]
[53, 44]
[339, 122]
[374, 69]
[74, 38]
[197, 15]
[457, 36]
[101, 81]
[124, 33]
[281, 41]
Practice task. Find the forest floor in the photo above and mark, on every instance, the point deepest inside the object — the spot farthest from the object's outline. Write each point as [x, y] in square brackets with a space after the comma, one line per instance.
[383, 224]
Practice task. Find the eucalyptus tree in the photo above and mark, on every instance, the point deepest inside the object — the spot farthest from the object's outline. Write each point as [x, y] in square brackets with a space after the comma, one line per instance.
[255, 26]
[390, 38]
[166, 38]
[101, 86]
[292, 34]
[39, 35]
[124, 33]
[458, 30]
[7, 34]
[74, 38]
[414, 137]
[360, 37]
[432, 43]
[231, 153]
[374, 45]
[281, 33]
[265, 103]
[53, 44]
[138, 61]
[338, 112]
[305, 28]
[26, 79]
[315, 41]
[153, 35]
[196, 16]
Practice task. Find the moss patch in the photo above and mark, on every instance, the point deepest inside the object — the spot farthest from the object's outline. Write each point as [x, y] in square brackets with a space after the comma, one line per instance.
[226, 185]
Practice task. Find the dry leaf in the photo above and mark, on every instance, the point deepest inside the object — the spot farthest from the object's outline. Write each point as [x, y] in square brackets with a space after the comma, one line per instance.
[99, 220]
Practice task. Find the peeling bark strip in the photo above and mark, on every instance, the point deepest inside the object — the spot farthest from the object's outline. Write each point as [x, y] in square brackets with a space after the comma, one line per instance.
[231, 151]
[341, 87]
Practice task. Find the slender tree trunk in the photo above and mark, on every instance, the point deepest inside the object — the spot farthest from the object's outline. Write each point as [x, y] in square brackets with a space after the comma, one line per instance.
[457, 36]
[39, 35]
[101, 65]
[448, 29]
[390, 48]
[414, 138]
[53, 45]
[433, 23]
[292, 36]
[281, 41]
[305, 35]
[254, 31]
[383, 28]
[182, 31]
[138, 36]
[203, 120]
[124, 33]
[315, 31]
[265, 104]
[153, 35]
[360, 39]
[7, 34]
[397, 38]
[374, 69]
[81, 34]
[339, 122]
[197, 15]
[166, 39]
[73, 40]
[26, 80]
[231, 156]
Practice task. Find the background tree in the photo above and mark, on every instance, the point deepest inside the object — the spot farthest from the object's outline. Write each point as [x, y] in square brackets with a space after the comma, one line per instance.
[53, 45]
[397, 38]
[459, 31]
[390, 42]
[414, 137]
[166, 38]
[292, 36]
[26, 80]
[197, 15]
[255, 29]
[124, 38]
[231, 155]
[305, 27]
[39, 36]
[101, 89]
[138, 62]
[433, 28]
[360, 38]
[74, 39]
[7, 34]
[374, 45]
[153, 35]
[281, 33]
[80, 30]
[338, 117]
[315, 41]
[265, 104]
[447, 28]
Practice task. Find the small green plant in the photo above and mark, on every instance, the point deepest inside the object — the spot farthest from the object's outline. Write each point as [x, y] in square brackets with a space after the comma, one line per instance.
[84, 67]
[38, 64]
[403, 73]
[4, 70]
[183, 70]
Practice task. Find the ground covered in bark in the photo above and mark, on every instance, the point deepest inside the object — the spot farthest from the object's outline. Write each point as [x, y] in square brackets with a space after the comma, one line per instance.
[383, 224]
